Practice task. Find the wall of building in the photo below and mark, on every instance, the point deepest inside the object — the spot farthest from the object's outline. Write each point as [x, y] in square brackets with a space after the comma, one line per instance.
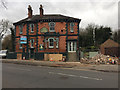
[62, 28]
[24, 30]
[102, 50]
[112, 51]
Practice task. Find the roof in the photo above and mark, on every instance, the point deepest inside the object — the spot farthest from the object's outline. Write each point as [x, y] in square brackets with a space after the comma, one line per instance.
[48, 17]
[110, 43]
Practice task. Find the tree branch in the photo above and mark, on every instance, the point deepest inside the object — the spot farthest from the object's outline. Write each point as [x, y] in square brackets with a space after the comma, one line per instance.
[5, 25]
[3, 3]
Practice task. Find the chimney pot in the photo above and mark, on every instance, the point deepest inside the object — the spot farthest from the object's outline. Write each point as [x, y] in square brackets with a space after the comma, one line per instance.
[29, 11]
[41, 10]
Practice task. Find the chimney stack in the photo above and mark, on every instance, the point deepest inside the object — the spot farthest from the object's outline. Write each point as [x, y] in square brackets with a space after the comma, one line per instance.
[29, 11]
[41, 10]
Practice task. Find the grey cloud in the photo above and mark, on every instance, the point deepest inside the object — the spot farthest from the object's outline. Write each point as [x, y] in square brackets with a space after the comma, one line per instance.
[103, 13]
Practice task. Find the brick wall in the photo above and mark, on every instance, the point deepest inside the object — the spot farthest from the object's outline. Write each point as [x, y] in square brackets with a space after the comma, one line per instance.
[24, 30]
[112, 51]
[62, 43]
[17, 45]
[59, 27]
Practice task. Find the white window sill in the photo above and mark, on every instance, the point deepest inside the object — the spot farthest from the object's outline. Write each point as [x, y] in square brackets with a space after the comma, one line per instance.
[32, 31]
[52, 30]
[31, 47]
[72, 31]
[51, 47]
[71, 51]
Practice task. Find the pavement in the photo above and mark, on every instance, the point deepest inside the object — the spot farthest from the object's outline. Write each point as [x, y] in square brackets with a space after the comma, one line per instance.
[28, 76]
[67, 65]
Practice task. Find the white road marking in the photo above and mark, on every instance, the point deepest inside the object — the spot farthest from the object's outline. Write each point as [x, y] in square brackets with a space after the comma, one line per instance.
[50, 67]
[81, 69]
[75, 76]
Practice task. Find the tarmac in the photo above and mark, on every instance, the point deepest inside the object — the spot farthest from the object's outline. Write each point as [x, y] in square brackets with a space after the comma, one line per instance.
[70, 65]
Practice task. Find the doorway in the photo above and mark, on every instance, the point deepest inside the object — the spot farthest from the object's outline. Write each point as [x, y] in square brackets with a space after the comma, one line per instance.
[31, 53]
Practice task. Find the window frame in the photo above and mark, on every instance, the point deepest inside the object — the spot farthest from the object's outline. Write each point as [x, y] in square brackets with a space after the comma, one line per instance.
[32, 27]
[31, 43]
[51, 30]
[50, 42]
[72, 27]
[57, 42]
[46, 43]
[20, 45]
[72, 46]
[20, 29]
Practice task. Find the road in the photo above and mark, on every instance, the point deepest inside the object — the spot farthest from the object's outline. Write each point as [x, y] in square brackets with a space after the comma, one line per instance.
[26, 76]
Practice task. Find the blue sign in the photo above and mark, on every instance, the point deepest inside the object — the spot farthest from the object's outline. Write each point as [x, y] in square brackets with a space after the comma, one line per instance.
[23, 40]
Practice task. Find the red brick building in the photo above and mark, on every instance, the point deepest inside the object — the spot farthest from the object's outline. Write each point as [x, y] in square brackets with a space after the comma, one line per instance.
[110, 47]
[42, 34]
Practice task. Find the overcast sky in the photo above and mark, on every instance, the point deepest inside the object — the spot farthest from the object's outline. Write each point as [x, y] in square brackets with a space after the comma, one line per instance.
[101, 12]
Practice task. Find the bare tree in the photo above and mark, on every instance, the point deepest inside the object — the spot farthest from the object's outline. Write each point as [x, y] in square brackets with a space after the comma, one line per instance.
[5, 26]
[3, 3]
[7, 42]
[116, 36]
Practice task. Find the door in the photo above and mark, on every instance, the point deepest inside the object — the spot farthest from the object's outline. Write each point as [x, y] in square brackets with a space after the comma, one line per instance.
[32, 53]
[23, 54]
[72, 46]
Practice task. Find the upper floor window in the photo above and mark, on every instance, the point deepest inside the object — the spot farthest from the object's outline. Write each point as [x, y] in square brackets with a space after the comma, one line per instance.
[32, 27]
[51, 42]
[20, 46]
[21, 29]
[72, 27]
[52, 27]
[32, 43]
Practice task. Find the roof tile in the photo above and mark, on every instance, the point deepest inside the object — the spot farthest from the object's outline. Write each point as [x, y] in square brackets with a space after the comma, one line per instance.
[46, 17]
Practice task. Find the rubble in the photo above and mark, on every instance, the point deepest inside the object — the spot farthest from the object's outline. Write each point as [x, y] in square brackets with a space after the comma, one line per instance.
[100, 59]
